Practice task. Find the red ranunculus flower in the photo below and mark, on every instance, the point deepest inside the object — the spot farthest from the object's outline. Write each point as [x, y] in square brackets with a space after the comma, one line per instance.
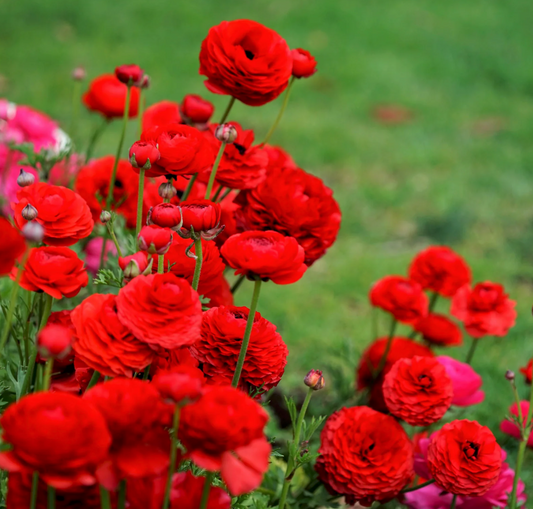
[223, 431]
[246, 60]
[163, 112]
[134, 265]
[143, 152]
[129, 74]
[107, 96]
[154, 239]
[183, 150]
[439, 330]
[56, 271]
[165, 215]
[527, 371]
[292, 202]
[179, 385]
[268, 255]
[54, 341]
[13, 246]
[196, 109]
[92, 183]
[161, 310]
[303, 63]
[485, 310]
[220, 343]
[56, 434]
[418, 390]
[103, 343]
[440, 269]
[170, 359]
[403, 298]
[64, 214]
[202, 215]
[136, 419]
[364, 455]
[464, 458]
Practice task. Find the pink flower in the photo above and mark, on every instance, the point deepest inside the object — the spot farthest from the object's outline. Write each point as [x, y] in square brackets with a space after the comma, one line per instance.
[510, 428]
[64, 172]
[466, 382]
[93, 251]
[430, 497]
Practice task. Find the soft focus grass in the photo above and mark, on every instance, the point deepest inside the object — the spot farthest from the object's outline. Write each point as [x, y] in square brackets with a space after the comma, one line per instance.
[458, 173]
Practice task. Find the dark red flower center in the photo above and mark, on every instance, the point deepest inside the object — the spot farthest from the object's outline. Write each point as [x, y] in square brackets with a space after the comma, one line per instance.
[249, 54]
[470, 450]
[425, 381]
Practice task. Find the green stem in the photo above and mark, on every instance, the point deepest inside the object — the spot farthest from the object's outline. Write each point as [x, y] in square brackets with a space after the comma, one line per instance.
[48, 302]
[173, 456]
[225, 193]
[383, 359]
[228, 109]
[39, 378]
[418, 486]
[160, 264]
[121, 503]
[34, 489]
[433, 301]
[199, 260]
[48, 374]
[207, 488]
[96, 135]
[102, 253]
[111, 231]
[280, 114]
[472, 351]
[105, 499]
[237, 284]
[187, 191]
[29, 375]
[247, 333]
[146, 373]
[140, 198]
[290, 463]
[214, 171]
[51, 497]
[94, 379]
[217, 193]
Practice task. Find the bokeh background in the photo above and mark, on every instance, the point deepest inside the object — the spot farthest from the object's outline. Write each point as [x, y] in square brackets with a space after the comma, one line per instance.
[420, 118]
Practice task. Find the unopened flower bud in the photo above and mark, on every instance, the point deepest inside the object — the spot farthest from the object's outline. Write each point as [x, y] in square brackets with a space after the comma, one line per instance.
[510, 375]
[25, 178]
[167, 191]
[105, 216]
[154, 240]
[143, 155]
[130, 74]
[29, 212]
[54, 341]
[226, 133]
[145, 81]
[315, 380]
[33, 232]
[78, 74]
[135, 265]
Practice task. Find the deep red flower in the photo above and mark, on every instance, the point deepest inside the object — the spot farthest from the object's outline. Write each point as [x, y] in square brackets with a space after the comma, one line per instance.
[92, 183]
[223, 431]
[268, 255]
[364, 455]
[64, 214]
[440, 269]
[143, 152]
[154, 239]
[134, 265]
[527, 371]
[439, 330]
[163, 112]
[103, 343]
[107, 96]
[220, 343]
[294, 203]
[54, 341]
[202, 215]
[303, 63]
[181, 384]
[160, 310]
[464, 458]
[246, 60]
[129, 74]
[403, 298]
[56, 434]
[485, 309]
[13, 245]
[56, 271]
[196, 109]
[169, 359]
[418, 390]
[166, 215]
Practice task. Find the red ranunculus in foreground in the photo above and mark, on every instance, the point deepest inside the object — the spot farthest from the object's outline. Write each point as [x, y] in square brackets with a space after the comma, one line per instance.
[56, 271]
[180, 384]
[246, 60]
[165, 215]
[163, 112]
[200, 215]
[13, 246]
[466, 382]
[403, 298]
[196, 109]
[142, 153]
[107, 96]
[439, 330]
[160, 310]
[485, 309]
[154, 239]
[64, 214]
[511, 428]
[364, 455]
[220, 342]
[54, 341]
[418, 390]
[56, 434]
[223, 431]
[103, 343]
[134, 265]
[464, 458]
[129, 74]
[267, 255]
[303, 63]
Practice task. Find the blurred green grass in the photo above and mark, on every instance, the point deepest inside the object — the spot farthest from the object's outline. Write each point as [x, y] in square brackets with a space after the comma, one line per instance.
[459, 172]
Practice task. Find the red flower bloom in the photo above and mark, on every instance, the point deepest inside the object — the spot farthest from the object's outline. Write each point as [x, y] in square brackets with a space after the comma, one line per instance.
[401, 297]
[364, 455]
[92, 183]
[183, 150]
[129, 74]
[135, 265]
[64, 214]
[56, 434]
[142, 152]
[440, 269]
[418, 390]
[56, 271]
[161, 310]
[464, 458]
[13, 246]
[223, 431]
[292, 202]
[166, 215]
[527, 371]
[246, 60]
[103, 343]
[107, 96]
[170, 359]
[510, 427]
[439, 330]
[154, 240]
[485, 310]
[220, 343]
[181, 384]
[196, 109]
[202, 215]
[161, 113]
[303, 63]
[54, 341]
[268, 255]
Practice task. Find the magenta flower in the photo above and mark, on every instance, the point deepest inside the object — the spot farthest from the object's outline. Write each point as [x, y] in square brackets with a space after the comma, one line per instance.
[510, 428]
[466, 382]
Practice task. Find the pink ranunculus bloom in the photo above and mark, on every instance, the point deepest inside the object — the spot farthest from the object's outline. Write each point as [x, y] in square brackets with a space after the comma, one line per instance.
[466, 382]
[64, 172]
[510, 428]
[430, 497]
[93, 250]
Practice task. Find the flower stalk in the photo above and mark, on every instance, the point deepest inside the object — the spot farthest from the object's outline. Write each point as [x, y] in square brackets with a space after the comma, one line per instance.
[207, 488]
[199, 260]
[173, 455]
[214, 171]
[280, 113]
